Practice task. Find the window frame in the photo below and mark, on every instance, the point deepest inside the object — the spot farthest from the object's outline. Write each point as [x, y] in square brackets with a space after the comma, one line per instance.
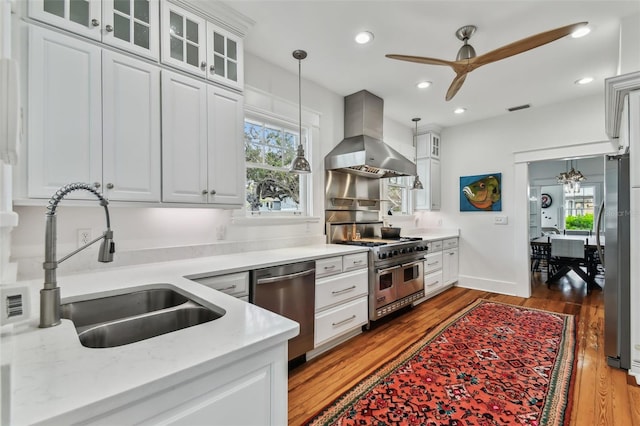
[272, 120]
[407, 208]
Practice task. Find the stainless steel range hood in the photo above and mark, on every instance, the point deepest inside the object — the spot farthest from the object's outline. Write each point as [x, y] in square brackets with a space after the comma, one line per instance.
[362, 151]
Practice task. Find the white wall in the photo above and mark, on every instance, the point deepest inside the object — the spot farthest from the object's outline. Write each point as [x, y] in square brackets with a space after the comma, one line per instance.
[490, 254]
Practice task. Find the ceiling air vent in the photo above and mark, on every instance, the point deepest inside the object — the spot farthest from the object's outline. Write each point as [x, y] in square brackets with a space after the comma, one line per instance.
[519, 107]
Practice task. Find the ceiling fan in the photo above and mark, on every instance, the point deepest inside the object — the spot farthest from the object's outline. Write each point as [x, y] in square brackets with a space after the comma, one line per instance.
[466, 60]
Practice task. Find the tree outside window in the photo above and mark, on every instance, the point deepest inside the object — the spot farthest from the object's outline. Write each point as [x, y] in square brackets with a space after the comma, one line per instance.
[270, 187]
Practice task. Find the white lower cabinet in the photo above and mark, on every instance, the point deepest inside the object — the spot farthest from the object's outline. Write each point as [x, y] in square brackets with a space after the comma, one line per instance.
[341, 305]
[236, 285]
[215, 397]
[339, 320]
[440, 267]
[450, 261]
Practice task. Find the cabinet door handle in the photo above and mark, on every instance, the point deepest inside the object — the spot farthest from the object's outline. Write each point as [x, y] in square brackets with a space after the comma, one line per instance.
[212, 69]
[343, 290]
[203, 65]
[95, 22]
[205, 192]
[109, 28]
[109, 185]
[213, 192]
[352, 317]
[96, 185]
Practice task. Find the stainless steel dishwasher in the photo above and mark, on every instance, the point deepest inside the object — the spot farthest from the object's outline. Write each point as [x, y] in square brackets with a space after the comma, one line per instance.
[288, 290]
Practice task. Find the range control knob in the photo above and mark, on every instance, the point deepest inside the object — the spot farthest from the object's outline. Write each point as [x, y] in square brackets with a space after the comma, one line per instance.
[382, 255]
[394, 252]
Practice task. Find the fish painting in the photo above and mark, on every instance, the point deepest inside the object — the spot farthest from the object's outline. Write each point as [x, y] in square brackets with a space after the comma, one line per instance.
[481, 192]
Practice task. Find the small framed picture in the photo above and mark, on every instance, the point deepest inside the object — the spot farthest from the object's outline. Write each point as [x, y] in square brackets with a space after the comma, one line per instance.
[545, 201]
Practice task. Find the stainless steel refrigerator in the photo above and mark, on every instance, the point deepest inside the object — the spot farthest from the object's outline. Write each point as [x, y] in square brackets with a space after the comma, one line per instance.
[616, 256]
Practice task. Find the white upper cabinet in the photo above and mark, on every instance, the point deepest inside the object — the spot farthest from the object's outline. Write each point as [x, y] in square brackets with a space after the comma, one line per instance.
[132, 25]
[428, 145]
[65, 112]
[224, 57]
[94, 117]
[183, 40]
[202, 143]
[428, 165]
[192, 44]
[131, 128]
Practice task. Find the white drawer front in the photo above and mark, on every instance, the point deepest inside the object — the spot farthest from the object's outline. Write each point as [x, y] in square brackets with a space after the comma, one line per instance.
[341, 319]
[433, 262]
[355, 261]
[233, 284]
[435, 246]
[328, 266]
[338, 288]
[450, 243]
[432, 282]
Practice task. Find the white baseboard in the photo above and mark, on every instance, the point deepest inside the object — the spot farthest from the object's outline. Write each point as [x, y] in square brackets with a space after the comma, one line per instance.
[503, 287]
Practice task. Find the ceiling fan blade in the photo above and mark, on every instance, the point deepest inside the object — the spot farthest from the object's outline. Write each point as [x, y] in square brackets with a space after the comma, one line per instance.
[523, 45]
[456, 84]
[422, 60]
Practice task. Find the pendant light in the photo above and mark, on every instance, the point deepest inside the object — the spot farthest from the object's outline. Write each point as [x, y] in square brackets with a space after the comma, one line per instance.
[300, 164]
[416, 183]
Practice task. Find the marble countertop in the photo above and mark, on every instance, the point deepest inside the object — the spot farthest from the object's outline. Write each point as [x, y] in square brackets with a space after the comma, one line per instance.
[53, 375]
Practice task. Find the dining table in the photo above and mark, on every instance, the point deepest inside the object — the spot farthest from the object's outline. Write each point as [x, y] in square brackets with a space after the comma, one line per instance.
[558, 266]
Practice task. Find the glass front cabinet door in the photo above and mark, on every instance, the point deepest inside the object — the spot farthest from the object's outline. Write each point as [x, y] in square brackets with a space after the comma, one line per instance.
[183, 40]
[131, 25]
[224, 57]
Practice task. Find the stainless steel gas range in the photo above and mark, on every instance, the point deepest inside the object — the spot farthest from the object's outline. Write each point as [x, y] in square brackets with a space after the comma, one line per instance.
[396, 275]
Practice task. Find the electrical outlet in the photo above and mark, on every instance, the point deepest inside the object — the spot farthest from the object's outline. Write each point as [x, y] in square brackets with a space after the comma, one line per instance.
[84, 236]
[500, 220]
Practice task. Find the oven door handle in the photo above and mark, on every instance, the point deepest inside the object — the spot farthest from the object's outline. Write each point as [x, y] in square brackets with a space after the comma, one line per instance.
[382, 271]
[404, 265]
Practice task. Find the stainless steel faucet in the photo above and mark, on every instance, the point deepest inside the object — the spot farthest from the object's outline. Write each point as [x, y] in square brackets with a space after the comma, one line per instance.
[50, 294]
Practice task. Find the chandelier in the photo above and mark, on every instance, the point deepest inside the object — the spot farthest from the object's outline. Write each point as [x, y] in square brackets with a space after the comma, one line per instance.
[571, 179]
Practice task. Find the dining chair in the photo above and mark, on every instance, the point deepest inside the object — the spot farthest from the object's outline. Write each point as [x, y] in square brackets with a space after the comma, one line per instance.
[567, 255]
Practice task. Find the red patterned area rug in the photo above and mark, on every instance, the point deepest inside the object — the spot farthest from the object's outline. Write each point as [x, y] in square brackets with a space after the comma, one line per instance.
[491, 364]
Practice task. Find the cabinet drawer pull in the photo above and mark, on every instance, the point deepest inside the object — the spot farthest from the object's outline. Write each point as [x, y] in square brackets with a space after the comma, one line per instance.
[433, 283]
[433, 263]
[344, 321]
[231, 287]
[357, 262]
[343, 290]
[330, 267]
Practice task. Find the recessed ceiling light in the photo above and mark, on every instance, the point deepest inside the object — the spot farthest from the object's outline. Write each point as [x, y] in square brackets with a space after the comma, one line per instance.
[581, 32]
[459, 110]
[364, 37]
[423, 84]
[584, 80]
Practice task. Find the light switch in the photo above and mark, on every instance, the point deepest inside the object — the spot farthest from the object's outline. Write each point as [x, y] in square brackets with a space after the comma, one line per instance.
[501, 220]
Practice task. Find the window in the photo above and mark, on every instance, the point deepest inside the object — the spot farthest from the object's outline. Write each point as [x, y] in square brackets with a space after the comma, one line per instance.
[270, 146]
[397, 190]
[579, 208]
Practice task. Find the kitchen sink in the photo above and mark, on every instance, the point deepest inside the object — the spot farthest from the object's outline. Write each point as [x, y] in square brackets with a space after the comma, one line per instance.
[121, 319]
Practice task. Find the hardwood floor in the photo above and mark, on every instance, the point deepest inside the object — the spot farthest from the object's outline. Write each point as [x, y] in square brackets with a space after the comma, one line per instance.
[602, 395]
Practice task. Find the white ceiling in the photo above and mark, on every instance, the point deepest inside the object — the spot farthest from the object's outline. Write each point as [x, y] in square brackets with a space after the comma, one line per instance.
[545, 75]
